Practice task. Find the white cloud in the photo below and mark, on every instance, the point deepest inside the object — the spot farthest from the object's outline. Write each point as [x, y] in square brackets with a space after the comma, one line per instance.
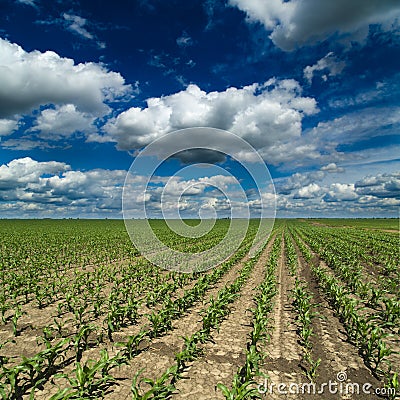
[299, 180]
[264, 114]
[356, 126]
[184, 40]
[29, 187]
[31, 79]
[332, 168]
[381, 185]
[328, 63]
[28, 3]
[53, 123]
[314, 193]
[7, 126]
[77, 24]
[52, 188]
[22, 171]
[340, 192]
[296, 23]
[308, 192]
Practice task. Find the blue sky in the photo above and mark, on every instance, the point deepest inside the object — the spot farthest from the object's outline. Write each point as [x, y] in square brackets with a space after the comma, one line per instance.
[313, 86]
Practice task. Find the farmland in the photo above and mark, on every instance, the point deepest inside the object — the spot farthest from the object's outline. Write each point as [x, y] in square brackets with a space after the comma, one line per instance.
[85, 316]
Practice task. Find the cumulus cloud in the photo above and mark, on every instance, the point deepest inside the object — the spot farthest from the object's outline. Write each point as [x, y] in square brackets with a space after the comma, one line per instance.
[31, 79]
[328, 64]
[52, 188]
[299, 180]
[20, 172]
[7, 126]
[332, 168]
[381, 185]
[62, 121]
[308, 192]
[340, 192]
[296, 23]
[313, 193]
[263, 114]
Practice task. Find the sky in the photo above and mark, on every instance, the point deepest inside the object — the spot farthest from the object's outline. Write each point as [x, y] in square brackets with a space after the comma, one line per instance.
[313, 86]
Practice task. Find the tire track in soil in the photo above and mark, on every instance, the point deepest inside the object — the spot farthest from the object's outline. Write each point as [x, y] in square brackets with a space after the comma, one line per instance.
[331, 345]
[223, 356]
[159, 355]
[283, 352]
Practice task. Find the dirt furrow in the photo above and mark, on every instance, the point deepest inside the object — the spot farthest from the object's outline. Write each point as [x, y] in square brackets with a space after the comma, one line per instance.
[223, 356]
[340, 361]
[283, 352]
[159, 355]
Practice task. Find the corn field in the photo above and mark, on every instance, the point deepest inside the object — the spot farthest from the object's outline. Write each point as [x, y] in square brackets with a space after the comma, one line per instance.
[85, 316]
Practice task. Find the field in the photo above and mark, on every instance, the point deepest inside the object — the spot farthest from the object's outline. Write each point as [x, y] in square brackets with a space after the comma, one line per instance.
[84, 316]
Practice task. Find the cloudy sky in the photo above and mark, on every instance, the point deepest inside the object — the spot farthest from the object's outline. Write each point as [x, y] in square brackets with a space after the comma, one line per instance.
[313, 86]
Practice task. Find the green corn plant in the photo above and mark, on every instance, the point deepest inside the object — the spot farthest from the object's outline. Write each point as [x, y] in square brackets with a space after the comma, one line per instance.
[33, 371]
[258, 332]
[160, 388]
[14, 320]
[363, 329]
[60, 324]
[40, 297]
[240, 390]
[382, 352]
[375, 298]
[80, 339]
[90, 380]
[11, 387]
[189, 353]
[305, 333]
[52, 353]
[391, 313]
[161, 322]
[4, 307]
[114, 319]
[250, 367]
[97, 304]
[48, 332]
[132, 308]
[393, 386]
[79, 313]
[363, 289]
[201, 337]
[107, 363]
[131, 347]
[311, 372]
[375, 349]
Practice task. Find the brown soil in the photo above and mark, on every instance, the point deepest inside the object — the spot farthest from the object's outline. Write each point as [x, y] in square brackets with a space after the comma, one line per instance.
[156, 357]
[226, 353]
[283, 352]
